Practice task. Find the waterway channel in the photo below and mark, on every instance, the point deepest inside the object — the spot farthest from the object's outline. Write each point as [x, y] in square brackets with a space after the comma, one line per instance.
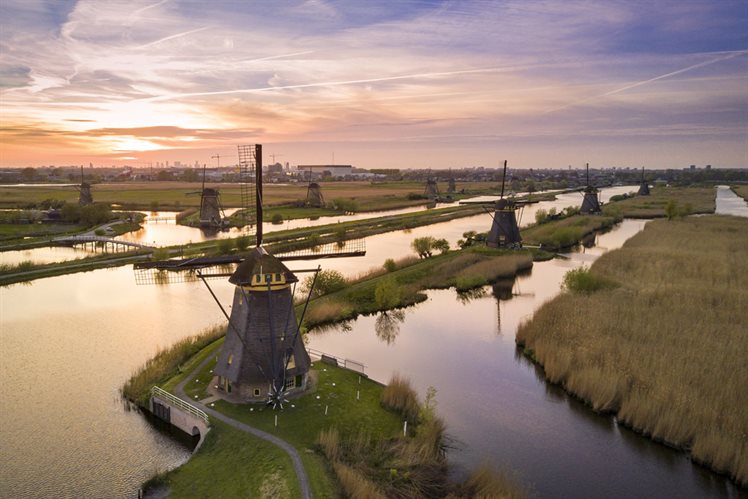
[69, 342]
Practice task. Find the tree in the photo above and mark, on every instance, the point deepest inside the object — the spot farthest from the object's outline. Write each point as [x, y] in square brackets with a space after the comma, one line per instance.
[423, 246]
[440, 245]
[390, 265]
[328, 281]
[28, 174]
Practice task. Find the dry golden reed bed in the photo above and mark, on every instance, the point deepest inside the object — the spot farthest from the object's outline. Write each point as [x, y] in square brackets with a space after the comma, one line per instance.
[667, 349]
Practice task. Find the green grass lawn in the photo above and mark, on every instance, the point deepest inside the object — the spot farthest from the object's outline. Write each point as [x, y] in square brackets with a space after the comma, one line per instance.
[335, 388]
[231, 464]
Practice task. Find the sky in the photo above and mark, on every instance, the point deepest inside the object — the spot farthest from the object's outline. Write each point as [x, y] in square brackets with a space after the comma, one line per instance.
[375, 84]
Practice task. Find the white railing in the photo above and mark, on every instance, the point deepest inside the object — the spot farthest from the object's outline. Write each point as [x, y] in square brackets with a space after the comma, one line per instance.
[177, 402]
[349, 364]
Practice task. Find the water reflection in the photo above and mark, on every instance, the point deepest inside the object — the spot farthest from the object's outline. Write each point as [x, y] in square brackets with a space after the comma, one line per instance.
[499, 405]
[729, 203]
[387, 325]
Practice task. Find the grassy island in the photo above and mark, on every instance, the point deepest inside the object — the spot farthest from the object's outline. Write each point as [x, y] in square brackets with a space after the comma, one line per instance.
[656, 333]
[684, 200]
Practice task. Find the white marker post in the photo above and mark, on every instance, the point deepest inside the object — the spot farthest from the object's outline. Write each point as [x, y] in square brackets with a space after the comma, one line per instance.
[358, 392]
[325, 410]
[276, 420]
[405, 428]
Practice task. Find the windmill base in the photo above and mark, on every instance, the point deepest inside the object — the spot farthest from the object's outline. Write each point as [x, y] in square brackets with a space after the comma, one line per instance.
[243, 393]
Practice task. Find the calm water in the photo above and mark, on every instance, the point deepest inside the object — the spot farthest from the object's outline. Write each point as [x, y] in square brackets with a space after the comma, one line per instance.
[70, 342]
[497, 405]
[729, 203]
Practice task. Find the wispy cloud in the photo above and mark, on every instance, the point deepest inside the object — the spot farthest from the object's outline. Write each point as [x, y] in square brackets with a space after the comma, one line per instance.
[364, 72]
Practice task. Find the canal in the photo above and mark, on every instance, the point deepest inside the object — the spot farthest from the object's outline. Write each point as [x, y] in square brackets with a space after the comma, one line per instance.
[70, 342]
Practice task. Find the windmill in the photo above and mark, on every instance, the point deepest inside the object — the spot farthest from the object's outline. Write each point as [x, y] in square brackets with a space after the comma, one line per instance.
[643, 186]
[85, 197]
[451, 187]
[263, 357]
[211, 211]
[591, 202]
[504, 229]
[314, 198]
[432, 189]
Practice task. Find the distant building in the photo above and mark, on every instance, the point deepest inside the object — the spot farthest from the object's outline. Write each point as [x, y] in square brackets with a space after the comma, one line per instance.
[320, 170]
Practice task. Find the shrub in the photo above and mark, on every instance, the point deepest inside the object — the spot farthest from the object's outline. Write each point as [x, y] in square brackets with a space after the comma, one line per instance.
[541, 216]
[671, 209]
[583, 281]
[277, 219]
[99, 232]
[242, 243]
[347, 205]
[387, 294]
[224, 246]
[390, 265]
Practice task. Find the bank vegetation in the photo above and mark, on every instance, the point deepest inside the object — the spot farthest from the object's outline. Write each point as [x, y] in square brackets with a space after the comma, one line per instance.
[655, 332]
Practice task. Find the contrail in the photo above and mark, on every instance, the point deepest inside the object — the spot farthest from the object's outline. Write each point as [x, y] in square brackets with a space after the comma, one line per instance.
[178, 35]
[330, 83]
[729, 55]
[147, 7]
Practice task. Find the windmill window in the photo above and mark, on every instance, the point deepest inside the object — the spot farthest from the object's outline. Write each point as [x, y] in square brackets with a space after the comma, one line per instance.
[277, 277]
[231, 358]
[257, 392]
[290, 383]
[268, 277]
[258, 278]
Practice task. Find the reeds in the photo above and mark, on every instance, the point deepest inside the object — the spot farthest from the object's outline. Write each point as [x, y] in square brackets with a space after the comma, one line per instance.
[486, 483]
[400, 397]
[667, 349]
[165, 364]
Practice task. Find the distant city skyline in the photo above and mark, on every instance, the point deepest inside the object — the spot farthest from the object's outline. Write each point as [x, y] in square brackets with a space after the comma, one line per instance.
[393, 84]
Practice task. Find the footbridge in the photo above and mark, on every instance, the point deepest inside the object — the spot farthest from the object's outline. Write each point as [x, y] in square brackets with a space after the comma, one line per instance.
[98, 240]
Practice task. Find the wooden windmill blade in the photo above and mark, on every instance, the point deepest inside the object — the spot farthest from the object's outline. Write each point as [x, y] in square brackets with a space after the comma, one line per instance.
[185, 270]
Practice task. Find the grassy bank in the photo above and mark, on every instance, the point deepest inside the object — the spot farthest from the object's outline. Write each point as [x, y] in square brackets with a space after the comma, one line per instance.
[465, 269]
[662, 342]
[567, 232]
[740, 190]
[28, 271]
[686, 199]
[167, 364]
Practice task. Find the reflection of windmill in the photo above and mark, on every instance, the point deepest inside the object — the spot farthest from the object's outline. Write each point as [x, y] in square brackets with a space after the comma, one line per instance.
[263, 356]
[504, 290]
[591, 201]
[643, 186]
[504, 229]
[211, 211]
[432, 189]
[85, 196]
[314, 197]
